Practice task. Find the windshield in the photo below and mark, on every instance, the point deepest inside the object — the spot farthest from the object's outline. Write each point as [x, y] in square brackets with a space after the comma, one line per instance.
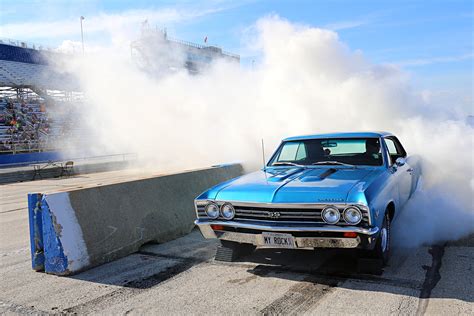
[330, 151]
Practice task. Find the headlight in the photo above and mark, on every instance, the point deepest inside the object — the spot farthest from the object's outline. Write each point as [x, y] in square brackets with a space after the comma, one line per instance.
[212, 210]
[331, 215]
[352, 215]
[227, 211]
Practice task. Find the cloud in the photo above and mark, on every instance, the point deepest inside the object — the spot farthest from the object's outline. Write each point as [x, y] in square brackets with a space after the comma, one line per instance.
[124, 24]
[344, 25]
[433, 60]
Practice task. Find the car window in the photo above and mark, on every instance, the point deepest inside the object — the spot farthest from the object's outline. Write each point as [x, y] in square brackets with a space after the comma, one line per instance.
[288, 152]
[293, 152]
[354, 151]
[301, 152]
[391, 146]
[395, 149]
[340, 147]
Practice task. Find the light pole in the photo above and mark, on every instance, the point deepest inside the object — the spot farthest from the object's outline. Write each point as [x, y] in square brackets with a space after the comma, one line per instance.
[82, 35]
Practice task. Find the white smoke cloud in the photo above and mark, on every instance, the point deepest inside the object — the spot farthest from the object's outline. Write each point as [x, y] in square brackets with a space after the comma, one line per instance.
[308, 81]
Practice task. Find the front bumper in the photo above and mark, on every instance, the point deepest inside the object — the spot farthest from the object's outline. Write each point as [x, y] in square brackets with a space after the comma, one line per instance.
[251, 233]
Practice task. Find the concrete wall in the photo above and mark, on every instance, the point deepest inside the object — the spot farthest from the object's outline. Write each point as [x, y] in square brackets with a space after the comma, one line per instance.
[88, 227]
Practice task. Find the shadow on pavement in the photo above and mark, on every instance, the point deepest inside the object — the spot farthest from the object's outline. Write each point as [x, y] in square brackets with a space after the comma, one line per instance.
[334, 267]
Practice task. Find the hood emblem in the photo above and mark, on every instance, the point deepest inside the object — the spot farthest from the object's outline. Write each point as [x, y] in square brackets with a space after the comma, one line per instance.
[273, 214]
[331, 200]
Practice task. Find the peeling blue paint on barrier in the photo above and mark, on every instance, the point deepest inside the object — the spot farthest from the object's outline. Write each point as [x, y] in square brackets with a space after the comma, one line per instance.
[55, 260]
[65, 249]
[47, 253]
[57, 243]
[36, 231]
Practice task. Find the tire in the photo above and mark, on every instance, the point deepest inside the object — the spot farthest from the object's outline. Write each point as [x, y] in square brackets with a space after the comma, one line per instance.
[382, 248]
[229, 251]
[373, 261]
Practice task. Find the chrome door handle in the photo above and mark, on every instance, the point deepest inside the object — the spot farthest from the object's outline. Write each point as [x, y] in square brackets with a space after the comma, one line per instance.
[410, 170]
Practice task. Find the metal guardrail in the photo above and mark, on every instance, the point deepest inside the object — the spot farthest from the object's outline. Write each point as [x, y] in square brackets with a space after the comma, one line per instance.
[119, 157]
[20, 147]
[200, 46]
[40, 145]
[39, 47]
[24, 44]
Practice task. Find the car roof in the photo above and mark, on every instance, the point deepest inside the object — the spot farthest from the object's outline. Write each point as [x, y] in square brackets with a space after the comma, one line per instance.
[341, 135]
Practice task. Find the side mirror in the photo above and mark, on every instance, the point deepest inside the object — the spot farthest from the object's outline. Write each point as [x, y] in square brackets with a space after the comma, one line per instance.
[400, 161]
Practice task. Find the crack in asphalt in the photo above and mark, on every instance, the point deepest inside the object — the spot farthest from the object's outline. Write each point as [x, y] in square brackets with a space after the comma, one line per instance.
[14, 210]
[432, 277]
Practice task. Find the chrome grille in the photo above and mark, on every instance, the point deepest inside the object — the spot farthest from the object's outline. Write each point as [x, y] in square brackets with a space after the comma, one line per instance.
[309, 214]
[276, 214]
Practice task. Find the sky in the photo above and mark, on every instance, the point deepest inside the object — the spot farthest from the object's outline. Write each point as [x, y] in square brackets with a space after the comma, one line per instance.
[431, 40]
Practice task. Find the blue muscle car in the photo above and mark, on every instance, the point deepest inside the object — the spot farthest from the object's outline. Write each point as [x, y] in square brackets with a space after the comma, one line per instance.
[339, 190]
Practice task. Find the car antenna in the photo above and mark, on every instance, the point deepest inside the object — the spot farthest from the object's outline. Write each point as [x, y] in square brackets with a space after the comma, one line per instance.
[263, 157]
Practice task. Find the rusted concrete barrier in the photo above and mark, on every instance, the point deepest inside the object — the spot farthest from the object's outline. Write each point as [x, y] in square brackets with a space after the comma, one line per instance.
[76, 230]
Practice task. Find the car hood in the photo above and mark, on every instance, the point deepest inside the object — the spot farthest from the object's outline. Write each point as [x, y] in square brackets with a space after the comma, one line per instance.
[294, 185]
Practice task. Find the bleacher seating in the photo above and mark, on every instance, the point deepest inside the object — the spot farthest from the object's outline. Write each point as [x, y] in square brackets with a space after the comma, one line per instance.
[21, 74]
[25, 126]
[26, 67]
[22, 55]
[33, 120]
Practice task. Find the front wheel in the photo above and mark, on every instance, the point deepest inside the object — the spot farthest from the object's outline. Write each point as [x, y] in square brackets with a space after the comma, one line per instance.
[382, 246]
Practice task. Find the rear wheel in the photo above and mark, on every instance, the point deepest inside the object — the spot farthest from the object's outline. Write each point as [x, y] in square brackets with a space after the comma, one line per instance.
[229, 251]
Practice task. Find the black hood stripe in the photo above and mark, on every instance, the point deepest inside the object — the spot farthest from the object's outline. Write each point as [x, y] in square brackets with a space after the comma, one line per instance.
[327, 173]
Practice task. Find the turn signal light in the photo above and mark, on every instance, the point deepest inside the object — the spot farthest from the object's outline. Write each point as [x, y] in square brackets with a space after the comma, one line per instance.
[217, 227]
[350, 234]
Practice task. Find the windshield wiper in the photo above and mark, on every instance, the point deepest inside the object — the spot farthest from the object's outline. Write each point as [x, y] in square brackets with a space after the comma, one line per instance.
[286, 163]
[330, 162]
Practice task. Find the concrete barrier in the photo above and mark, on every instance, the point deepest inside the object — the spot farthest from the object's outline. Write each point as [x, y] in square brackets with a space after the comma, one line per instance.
[76, 230]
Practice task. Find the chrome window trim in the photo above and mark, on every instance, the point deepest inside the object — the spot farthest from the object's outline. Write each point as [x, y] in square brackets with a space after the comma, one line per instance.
[380, 138]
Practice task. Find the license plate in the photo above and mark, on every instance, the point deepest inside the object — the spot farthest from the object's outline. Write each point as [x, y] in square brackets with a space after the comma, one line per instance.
[278, 240]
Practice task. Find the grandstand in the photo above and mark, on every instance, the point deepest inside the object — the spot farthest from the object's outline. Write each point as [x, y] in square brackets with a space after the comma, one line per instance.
[38, 98]
[24, 67]
[156, 52]
[32, 94]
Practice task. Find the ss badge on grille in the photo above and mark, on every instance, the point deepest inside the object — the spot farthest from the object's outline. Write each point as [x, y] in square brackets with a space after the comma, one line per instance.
[273, 214]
